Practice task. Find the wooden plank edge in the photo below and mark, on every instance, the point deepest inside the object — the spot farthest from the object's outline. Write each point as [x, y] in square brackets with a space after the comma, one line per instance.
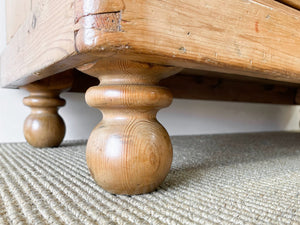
[41, 46]
[100, 33]
[85, 55]
[293, 3]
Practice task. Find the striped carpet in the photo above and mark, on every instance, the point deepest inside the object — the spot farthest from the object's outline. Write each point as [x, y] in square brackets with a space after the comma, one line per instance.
[215, 179]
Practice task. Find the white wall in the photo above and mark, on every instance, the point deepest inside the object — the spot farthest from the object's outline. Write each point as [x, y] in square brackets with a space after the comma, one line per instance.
[182, 118]
[2, 25]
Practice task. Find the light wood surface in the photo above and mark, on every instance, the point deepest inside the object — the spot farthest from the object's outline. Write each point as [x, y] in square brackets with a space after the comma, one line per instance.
[16, 13]
[256, 38]
[129, 151]
[43, 44]
[44, 127]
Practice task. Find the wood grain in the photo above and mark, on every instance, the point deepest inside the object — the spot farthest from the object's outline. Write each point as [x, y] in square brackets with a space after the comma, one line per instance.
[253, 37]
[16, 13]
[129, 151]
[44, 127]
[96, 7]
[257, 38]
[42, 46]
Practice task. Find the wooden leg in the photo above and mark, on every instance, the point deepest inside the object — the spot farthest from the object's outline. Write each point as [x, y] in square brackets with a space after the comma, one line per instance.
[129, 151]
[44, 127]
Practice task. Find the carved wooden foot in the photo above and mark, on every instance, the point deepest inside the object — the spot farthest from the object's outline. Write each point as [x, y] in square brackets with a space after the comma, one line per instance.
[129, 151]
[44, 127]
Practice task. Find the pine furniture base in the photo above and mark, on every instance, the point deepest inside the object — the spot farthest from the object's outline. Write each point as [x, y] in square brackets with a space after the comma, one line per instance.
[247, 51]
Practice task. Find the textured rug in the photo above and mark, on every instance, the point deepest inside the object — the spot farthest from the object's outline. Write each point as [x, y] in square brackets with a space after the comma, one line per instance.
[215, 179]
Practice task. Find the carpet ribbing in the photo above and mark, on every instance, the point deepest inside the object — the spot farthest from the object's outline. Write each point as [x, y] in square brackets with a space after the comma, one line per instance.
[215, 179]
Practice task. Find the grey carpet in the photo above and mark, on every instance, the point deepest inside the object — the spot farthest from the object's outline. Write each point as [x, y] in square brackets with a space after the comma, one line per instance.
[215, 179]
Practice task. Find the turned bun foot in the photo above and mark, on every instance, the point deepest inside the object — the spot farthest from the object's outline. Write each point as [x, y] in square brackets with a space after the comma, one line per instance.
[133, 157]
[44, 127]
[129, 151]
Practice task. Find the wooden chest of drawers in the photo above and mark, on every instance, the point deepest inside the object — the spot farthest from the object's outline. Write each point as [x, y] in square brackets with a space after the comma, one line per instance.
[243, 50]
